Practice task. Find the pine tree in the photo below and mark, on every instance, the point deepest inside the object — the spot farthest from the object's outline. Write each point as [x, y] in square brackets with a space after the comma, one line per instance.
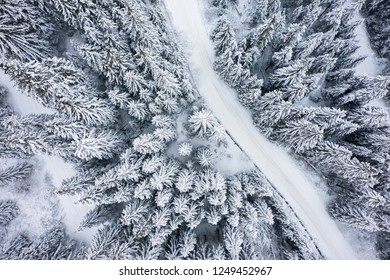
[9, 210]
[105, 241]
[202, 122]
[354, 216]
[99, 215]
[264, 33]
[94, 144]
[16, 172]
[58, 84]
[233, 240]
[185, 149]
[204, 156]
[299, 135]
[148, 144]
[22, 26]
[290, 75]
[376, 19]
[370, 117]
[26, 143]
[224, 37]
[164, 177]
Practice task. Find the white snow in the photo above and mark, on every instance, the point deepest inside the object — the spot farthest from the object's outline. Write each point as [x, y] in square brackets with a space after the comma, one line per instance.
[20, 102]
[55, 166]
[229, 159]
[369, 66]
[274, 162]
[59, 170]
[34, 197]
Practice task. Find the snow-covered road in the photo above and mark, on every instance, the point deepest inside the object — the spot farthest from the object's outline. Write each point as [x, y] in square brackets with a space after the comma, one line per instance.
[274, 162]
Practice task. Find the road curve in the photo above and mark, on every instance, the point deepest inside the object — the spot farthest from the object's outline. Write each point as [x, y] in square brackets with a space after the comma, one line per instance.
[289, 180]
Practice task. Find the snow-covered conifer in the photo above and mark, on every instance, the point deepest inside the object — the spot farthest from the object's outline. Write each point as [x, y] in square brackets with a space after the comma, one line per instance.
[163, 197]
[202, 122]
[264, 33]
[300, 135]
[260, 12]
[165, 134]
[58, 84]
[62, 127]
[165, 175]
[142, 190]
[209, 180]
[217, 197]
[264, 212]
[24, 31]
[233, 240]
[291, 74]
[213, 215]
[134, 82]
[98, 215]
[135, 211]
[151, 165]
[161, 217]
[147, 251]
[187, 242]
[185, 180]
[370, 117]
[354, 216]
[17, 172]
[97, 144]
[307, 45]
[26, 143]
[102, 241]
[167, 103]
[137, 109]
[9, 210]
[185, 149]
[224, 36]
[161, 121]
[204, 156]
[148, 144]
[119, 97]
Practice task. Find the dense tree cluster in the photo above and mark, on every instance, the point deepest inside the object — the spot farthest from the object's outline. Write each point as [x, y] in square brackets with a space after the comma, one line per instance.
[309, 98]
[117, 84]
[377, 14]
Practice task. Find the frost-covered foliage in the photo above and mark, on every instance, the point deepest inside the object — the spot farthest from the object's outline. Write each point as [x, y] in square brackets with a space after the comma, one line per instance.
[8, 211]
[118, 86]
[24, 33]
[54, 244]
[200, 215]
[185, 149]
[203, 123]
[310, 98]
[378, 22]
[16, 172]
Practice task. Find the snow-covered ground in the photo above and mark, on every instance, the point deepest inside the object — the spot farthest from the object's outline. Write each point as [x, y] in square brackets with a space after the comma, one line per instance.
[293, 184]
[371, 65]
[57, 168]
[34, 196]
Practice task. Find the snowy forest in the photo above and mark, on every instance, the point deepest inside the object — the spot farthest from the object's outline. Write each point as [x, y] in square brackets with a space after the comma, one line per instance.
[197, 129]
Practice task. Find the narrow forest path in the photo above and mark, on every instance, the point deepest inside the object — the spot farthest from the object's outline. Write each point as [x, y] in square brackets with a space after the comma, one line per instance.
[289, 180]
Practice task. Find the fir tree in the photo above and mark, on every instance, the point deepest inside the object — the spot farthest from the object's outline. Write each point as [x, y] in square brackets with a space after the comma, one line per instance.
[16, 172]
[22, 26]
[9, 210]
